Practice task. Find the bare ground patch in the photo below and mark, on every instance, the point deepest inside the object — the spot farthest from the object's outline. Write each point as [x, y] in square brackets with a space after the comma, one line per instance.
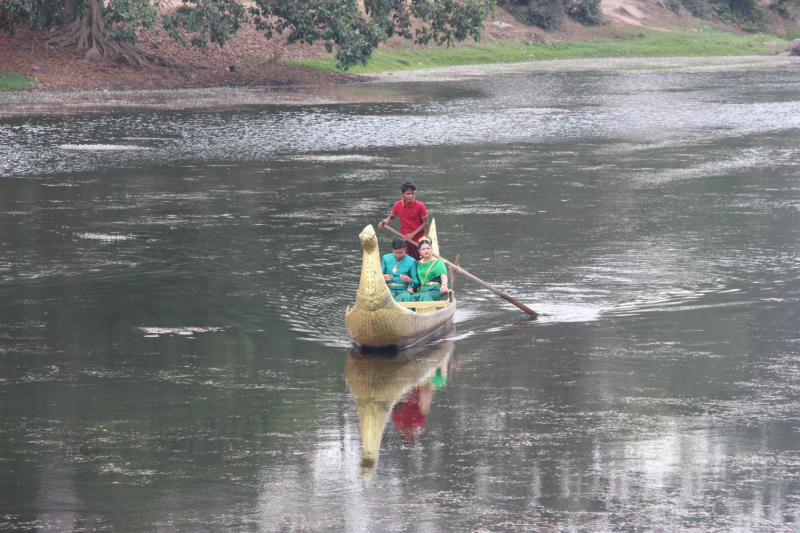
[247, 60]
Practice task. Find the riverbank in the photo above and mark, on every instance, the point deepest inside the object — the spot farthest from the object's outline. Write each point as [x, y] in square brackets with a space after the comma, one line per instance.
[248, 60]
[251, 70]
[385, 86]
[601, 43]
[251, 60]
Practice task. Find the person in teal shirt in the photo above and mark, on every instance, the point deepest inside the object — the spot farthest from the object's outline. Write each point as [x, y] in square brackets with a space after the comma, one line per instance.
[400, 272]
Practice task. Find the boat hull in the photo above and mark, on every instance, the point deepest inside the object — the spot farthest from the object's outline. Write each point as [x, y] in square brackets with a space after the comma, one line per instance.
[394, 326]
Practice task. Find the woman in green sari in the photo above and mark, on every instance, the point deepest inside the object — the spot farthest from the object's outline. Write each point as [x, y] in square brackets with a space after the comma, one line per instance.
[432, 274]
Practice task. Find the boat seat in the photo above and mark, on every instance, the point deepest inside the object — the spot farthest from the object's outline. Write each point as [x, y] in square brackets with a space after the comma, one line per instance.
[422, 305]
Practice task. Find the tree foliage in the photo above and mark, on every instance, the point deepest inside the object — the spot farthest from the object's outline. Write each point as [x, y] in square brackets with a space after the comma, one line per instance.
[205, 20]
[15, 12]
[357, 32]
[355, 28]
[123, 17]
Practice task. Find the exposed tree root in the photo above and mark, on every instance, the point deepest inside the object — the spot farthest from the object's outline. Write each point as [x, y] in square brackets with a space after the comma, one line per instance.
[89, 33]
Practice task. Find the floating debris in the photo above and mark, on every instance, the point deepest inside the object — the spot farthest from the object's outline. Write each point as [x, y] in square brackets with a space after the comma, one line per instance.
[534, 110]
[337, 158]
[101, 147]
[147, 138]
[105, 237]
[156, 332]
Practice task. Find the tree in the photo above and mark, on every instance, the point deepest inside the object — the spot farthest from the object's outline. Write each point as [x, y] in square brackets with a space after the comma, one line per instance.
[356, 32]
[107, 28]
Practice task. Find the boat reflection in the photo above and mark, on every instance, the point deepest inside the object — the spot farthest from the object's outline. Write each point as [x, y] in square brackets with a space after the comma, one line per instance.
[400, 386]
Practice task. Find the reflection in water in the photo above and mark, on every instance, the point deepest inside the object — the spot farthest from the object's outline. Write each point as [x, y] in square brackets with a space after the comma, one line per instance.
[57, 499]
[411, 413]
[402, 386]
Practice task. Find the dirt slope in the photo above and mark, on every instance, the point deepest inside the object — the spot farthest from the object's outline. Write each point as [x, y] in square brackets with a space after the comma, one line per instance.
[247, 60]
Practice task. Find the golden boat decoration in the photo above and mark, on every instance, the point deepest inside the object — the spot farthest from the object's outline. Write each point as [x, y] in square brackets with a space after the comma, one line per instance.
[377, 320]
[379, 383]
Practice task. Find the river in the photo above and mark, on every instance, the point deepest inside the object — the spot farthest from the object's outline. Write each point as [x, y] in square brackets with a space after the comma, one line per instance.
[173, 355]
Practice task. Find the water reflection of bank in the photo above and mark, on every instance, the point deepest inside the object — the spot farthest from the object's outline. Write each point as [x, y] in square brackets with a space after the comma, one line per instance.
[400, 387]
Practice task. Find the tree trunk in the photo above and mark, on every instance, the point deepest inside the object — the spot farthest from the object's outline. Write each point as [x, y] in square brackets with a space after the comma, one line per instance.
[67, 7]
[89, 33]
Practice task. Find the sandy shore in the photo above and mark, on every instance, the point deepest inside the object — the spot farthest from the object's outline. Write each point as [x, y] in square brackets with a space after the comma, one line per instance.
[681, 64]
[219, 98]
[387, 87]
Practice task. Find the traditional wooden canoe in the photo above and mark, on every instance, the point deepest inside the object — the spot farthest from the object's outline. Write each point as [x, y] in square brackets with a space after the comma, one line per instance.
[377, 320]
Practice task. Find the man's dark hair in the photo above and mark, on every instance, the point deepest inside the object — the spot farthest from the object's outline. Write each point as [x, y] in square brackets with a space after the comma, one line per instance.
[408, 186]
[398, 243]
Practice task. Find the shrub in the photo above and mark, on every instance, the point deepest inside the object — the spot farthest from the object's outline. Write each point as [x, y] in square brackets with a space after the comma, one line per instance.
[698, 8]
[748, 14]
[785, 8]
[587, 12]
[674, 6]
[547, 14]
[743, 12]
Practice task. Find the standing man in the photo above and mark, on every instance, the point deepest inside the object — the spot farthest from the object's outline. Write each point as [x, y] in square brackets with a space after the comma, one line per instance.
[400, 272]
[413, 217]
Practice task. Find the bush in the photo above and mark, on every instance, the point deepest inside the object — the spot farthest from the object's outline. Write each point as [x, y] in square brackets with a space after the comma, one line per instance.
[698, 8]
[675, 6]
[547, 14]
[587, 12]
[785, 8]
[550, 14]
[748, 14]
[743, 12]
[16, 12]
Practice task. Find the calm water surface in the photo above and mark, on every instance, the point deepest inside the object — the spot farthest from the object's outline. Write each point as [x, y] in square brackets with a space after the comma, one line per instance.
[652, 217]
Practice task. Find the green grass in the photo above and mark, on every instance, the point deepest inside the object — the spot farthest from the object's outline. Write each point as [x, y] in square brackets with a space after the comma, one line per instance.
[12, 82]
[624, 42]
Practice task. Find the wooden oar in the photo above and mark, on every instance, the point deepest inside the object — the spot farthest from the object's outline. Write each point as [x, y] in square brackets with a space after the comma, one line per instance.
[480, 282]
[451, 277]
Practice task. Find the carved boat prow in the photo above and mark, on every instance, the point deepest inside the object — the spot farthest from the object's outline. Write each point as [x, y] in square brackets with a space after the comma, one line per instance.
[377, 320]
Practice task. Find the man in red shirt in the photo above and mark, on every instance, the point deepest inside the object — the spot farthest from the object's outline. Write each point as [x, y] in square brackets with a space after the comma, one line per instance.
[413, 218]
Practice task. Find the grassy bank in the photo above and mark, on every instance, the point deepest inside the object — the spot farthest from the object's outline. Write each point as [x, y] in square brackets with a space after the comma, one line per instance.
[12, 82]
[622, 42]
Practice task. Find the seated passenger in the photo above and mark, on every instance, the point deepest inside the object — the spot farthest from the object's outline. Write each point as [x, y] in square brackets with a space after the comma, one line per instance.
[432, 274]
[400, 272]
